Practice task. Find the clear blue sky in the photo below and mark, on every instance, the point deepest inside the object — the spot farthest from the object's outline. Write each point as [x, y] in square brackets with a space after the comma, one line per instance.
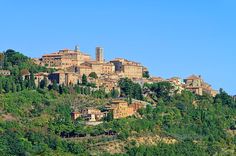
[170, 37]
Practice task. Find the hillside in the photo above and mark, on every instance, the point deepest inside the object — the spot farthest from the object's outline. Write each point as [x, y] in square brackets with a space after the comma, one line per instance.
[37, 121]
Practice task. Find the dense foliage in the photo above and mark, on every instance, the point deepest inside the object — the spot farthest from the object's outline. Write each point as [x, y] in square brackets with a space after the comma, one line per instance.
[37, 121]
[19, 65]
[130, 89]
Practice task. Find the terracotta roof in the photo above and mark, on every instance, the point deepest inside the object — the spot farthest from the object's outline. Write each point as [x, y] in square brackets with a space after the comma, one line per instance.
[85, 67]
[52, 54]
[193, 77]
[175, 78]
[40, 73]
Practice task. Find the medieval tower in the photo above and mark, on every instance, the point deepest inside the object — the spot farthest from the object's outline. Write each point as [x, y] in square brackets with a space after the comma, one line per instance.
[99, 54]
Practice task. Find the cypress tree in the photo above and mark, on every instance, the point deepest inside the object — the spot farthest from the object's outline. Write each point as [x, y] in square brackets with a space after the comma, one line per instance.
[18, 88]
[1, 88]
[13, 88]
[84, 80]
[60, 89]
[32, 81]
[54, 86]
[7, 87]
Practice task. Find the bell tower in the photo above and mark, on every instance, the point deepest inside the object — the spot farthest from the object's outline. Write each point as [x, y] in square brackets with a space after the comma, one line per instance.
[99, 54]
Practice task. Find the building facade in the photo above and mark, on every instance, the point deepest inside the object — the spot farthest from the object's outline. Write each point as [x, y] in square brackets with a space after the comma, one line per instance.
[62, 77]
[197, 85]
[121, 109]
[64, 59]
[5, 72]
[40, 77]
[99, 54]
[129, 69]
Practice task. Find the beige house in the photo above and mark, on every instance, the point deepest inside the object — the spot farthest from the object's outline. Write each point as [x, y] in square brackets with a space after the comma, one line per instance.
[92, 114]
[97, 67]
[197, 85]
[121, 109]
[39, 77]
[63, 59]
[62, 77]
[129, 69]
[5, 73]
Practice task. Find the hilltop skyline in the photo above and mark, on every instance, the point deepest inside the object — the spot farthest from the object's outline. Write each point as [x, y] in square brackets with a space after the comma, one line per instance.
[171, 39]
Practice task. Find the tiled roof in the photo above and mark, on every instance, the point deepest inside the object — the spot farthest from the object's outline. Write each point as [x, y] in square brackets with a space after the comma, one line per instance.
[193, 77]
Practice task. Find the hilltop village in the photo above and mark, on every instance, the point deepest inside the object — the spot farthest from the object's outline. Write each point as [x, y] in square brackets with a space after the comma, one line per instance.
[72, 66]
[67, 102]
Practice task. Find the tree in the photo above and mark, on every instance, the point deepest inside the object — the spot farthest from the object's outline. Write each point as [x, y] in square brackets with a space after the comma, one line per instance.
[114, 93]
[43, 83]
[13, 89]
[146, 74]
[32, 81]
[18, 88]
[55, 86]
[225, 98]
[130, 89]
[60, 89]
[1, 87]
[109, 117]
[7, 87]
[84, 80]
[93, 75]
[137, 92]
[161, 90]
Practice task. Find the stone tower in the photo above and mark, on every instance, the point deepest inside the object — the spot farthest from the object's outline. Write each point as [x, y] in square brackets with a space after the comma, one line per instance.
[99, 54]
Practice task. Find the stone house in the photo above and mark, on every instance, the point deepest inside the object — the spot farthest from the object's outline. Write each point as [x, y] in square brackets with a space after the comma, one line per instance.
[39, 77]
[129, 69]
[197, 85]
[62, 77]
[91, 114]
[5, 72]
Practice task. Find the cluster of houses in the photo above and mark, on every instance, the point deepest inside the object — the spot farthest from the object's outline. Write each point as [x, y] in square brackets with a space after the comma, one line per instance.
[118, 108]
[78, 62]
[71, 65]
[193, 83]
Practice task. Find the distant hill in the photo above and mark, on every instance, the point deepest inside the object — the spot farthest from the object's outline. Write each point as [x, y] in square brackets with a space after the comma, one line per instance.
[37, 121]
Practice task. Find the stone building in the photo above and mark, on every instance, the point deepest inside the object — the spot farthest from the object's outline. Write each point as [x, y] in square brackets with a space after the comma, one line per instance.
[83, 69]
[5, 72]
[156, 79]
[177, 83]
[75, 115]
[194, 84]
[62, 77]
[63, 59]
[197, 85]
[108, 84]
[99, 54]
[97, 67]
[91, 114]
[121, 109]
[129, 69]
[39, 77]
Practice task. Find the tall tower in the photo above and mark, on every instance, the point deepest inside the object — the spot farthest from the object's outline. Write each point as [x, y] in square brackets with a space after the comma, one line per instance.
[99, 54]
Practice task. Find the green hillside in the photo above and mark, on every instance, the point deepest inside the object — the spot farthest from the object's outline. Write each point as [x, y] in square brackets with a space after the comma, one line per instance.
[37, 121]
